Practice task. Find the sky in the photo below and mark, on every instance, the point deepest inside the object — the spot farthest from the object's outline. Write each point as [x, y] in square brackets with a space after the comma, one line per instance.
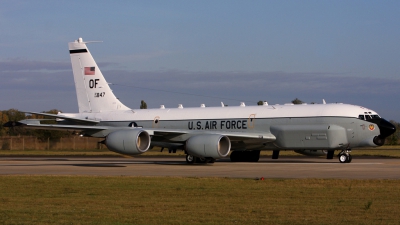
[204, 52]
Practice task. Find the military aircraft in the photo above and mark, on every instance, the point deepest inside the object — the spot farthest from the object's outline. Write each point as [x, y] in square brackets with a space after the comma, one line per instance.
[210, 133]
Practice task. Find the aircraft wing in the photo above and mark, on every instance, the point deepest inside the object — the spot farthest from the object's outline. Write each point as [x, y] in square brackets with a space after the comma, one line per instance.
[174, 139]
[181, 135]
[55, 116]
[169, 135]
[35, 124]
[239, 140]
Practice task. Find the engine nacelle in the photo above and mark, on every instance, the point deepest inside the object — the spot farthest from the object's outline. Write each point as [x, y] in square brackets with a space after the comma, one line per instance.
[208, 145]
[312, 152]
[128, 142]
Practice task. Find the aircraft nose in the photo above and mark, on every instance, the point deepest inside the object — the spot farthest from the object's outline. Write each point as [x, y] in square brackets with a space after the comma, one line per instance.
[386, 128]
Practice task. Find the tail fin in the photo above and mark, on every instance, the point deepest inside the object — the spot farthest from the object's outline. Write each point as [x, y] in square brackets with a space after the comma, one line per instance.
[92, 90]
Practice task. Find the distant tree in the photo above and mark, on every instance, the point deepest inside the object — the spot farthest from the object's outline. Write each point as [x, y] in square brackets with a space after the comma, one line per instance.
[13, 115]
[297, 101]
[394, 138]
[260, 102]
[143, 105]
[3, 119]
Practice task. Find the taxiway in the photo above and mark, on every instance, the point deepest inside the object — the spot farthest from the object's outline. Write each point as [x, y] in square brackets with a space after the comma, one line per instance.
[290, 167]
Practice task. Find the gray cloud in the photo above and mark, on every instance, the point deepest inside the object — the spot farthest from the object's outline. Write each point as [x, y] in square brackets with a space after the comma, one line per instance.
[43, 90]
[18, 64]
[192, 88]
[254, 82]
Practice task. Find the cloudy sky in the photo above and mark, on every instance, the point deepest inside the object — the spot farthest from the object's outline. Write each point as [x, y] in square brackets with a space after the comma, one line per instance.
[193, 52]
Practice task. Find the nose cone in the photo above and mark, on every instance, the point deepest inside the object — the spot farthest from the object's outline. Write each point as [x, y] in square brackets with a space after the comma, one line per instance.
[386, 128]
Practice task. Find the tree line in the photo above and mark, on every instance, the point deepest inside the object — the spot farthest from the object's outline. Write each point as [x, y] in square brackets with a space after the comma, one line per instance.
[14, 115]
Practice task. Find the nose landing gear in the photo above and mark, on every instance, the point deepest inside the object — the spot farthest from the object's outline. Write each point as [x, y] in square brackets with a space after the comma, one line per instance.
[344, 156]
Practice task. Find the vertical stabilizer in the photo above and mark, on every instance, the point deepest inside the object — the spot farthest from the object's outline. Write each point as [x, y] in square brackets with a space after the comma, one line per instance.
[92, 90]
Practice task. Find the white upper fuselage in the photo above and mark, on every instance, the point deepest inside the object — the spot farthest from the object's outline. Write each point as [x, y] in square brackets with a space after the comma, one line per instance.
[231, 112]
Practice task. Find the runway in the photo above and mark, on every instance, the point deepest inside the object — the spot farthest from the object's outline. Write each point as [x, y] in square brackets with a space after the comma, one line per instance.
[284, 167]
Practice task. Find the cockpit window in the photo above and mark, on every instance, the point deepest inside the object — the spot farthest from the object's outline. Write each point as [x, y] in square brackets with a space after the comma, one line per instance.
[375, 117]
[368, 116]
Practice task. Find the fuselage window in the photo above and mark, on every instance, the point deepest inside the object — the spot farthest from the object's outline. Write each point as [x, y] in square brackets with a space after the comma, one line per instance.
[361, 117]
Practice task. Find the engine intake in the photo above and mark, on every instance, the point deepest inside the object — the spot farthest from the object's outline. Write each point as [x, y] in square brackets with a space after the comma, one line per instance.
[128, 142]
[208, 145]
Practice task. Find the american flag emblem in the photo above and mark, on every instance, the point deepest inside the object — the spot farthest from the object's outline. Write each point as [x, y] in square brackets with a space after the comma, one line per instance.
[89, 70]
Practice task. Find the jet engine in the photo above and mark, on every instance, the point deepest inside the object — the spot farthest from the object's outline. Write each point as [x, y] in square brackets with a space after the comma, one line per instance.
[215, 146]
[128, 142]
[312, 152]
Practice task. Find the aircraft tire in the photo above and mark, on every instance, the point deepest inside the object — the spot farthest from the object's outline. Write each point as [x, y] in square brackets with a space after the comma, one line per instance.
[245, 156]
[234, 156]
[210, 160]
[343, 158]
[350, 158]
[254, 156]
[201, 160]
[190, 159]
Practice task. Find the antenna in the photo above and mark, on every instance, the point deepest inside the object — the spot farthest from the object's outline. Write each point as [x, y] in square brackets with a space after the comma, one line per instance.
[80, 40]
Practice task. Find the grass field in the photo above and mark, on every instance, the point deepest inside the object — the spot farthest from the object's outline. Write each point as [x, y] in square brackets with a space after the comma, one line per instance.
[142, 200]
[174, 200]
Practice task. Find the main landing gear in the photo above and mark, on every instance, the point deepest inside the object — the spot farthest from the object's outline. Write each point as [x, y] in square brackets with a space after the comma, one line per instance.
[344, 156]
[245, 156]
[193, 159]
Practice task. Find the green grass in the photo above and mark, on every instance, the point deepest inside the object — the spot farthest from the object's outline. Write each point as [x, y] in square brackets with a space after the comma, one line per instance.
[142, 200]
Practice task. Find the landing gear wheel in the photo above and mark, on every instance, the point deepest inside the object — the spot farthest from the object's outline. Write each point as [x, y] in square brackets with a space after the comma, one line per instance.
[190, 159]
[235, 156]
[254, 156]
[201, 160]
[209, 160]
[343, 158]
[245, 156]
